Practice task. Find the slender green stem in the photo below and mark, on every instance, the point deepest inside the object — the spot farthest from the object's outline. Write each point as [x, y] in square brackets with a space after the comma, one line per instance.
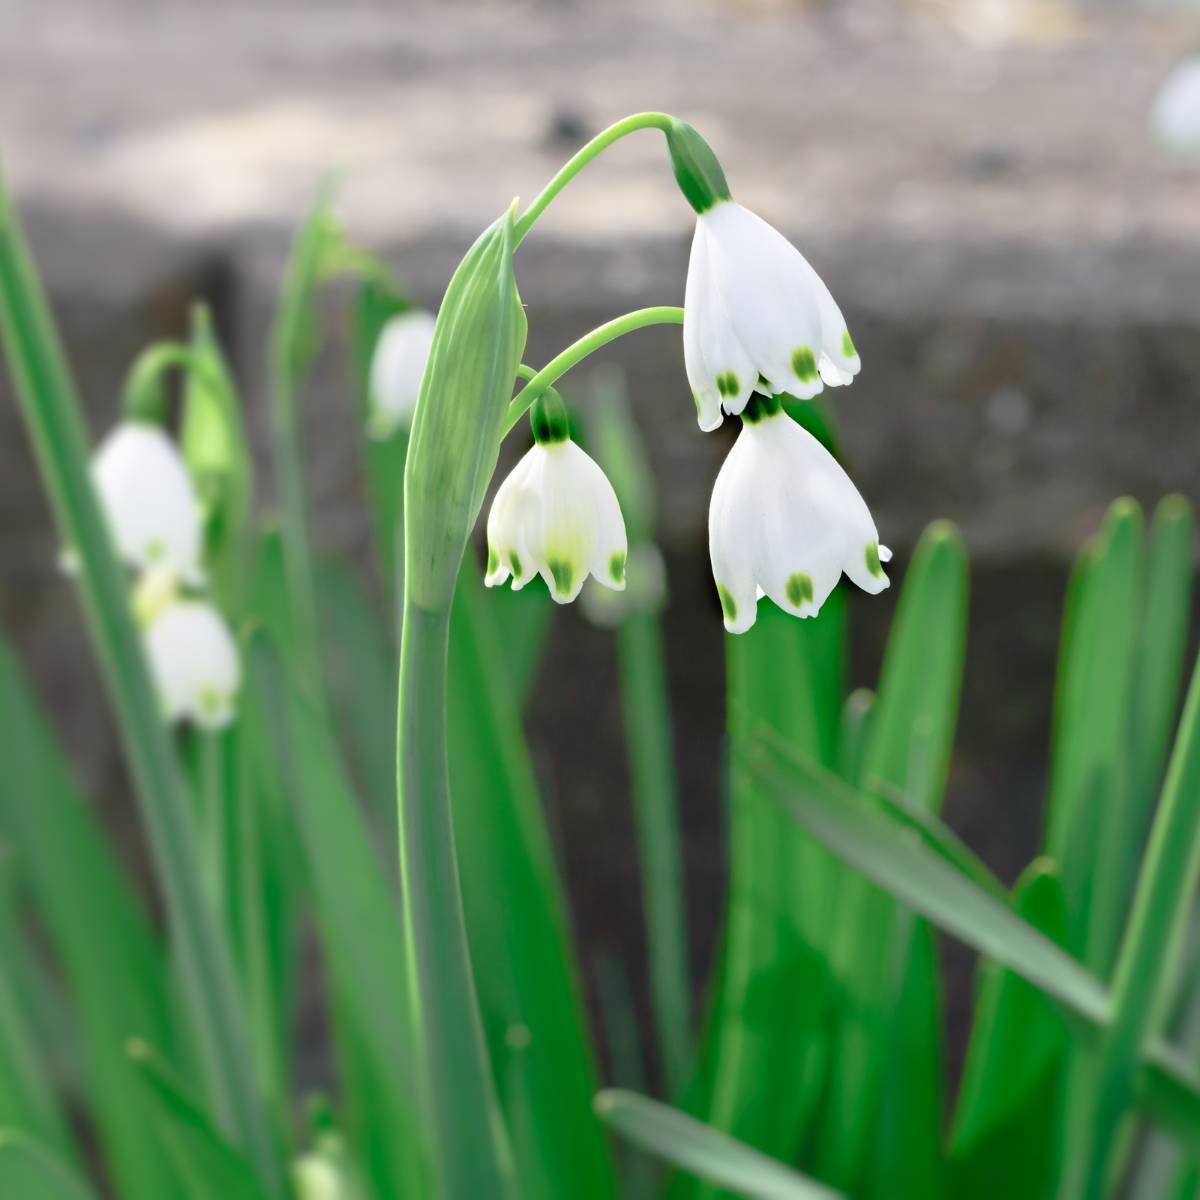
[648, 731]
[464, 1131]
[47, 397]
[1148, 949]
[558, 366]
[598, 144]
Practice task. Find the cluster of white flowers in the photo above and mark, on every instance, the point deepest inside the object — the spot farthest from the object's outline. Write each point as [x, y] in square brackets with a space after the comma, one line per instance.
[154, 519]
[785, 520]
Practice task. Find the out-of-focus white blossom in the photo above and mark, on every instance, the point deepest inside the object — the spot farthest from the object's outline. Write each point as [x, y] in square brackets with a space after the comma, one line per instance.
[396, 370]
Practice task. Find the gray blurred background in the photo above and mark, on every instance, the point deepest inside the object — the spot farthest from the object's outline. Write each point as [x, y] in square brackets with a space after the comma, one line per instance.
[973, 178]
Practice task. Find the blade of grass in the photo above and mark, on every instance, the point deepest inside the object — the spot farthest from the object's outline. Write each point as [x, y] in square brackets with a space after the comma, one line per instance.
[357, 918]
[1152, 938]
[48, 404]
[704, 1151]
[115, 968]
[33, 1172]
[1005, 1139]
[770, 1035]
[207, 1167]
[1089, 767]
[911, 735]
[521, 955]
[854, 829]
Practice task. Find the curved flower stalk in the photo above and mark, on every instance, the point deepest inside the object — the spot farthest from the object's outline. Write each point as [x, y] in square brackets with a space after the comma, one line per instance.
[785, 521]
[396, 369]
[1175, 117]
[757, 317]
[148, 500]
[556, 515]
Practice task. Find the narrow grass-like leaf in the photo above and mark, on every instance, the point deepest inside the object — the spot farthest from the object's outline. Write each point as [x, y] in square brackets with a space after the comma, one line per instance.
[520, 949]
[115, 969]
[1089, 767]
[356, 916]
[207, 1167]
[47, 399]
[912, 729]
[704, 1151]
[30, 1171]
[1005, 1139]
[28, 1100]
[1152, 938]
[853, 828]
[770, 1033]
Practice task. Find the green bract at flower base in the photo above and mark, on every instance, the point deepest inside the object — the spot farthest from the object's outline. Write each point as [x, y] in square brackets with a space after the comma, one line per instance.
[697, 171]
[476, 351]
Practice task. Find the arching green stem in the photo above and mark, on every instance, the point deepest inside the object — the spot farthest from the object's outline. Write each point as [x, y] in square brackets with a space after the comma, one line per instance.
[601, 142]
[576, 352]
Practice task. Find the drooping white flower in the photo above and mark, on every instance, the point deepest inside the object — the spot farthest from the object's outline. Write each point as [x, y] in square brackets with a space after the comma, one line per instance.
[556, 515]
[193, 661]
[149, 500]
[785, 521]
[756, 317]
[1175, 117]
[396, 370]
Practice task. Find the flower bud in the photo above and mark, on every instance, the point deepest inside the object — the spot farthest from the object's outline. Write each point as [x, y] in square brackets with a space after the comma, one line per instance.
[476, 350]
[697, 171]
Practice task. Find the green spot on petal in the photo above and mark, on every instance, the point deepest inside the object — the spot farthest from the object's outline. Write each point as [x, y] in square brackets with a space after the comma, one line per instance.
[848, 344]
[728, 606]
[493, 560]
[563, 573]
[514, 564]
[804, 364]
[616, 567]
[727, 384]
[799, 589]
[696, 402]
[872, 557]
[759, 407]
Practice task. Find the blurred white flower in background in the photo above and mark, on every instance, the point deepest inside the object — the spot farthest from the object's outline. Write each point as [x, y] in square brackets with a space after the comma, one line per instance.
[149, 500]
[645, 590]
[193, 660]
[396, 370]
[556, 515]
[785, 521]
[1175, 117]
[757, 317]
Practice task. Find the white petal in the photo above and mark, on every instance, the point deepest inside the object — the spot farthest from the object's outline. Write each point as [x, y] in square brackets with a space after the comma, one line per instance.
[397, 367]
[733, 534]
[1175, 118]
[148, 499]
[507, 554]
[610, 547]
[839, 361]
[766, 289]
[194, 663]
[719, 370]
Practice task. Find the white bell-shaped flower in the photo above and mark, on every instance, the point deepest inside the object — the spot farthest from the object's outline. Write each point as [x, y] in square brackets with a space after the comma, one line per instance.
[194, 662]
[396, 370]
[785, 521]
[1175, 118]
[756, 317]
[556, 515]
[149, 500]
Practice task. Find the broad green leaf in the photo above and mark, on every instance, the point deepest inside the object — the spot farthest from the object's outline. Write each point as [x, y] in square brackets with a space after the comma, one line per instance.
[704, 1151]
[1005, 1140]
[523, 621]
[855, 829]
[207, 1167]
[525, 974]
[908, 751]
[115, 969]
[769, 1035]
[356, 913]
[30, 1171]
